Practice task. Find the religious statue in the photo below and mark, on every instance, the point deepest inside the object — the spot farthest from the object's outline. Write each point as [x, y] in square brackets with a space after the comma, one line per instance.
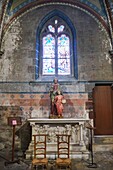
[58, 103]
[56, 98]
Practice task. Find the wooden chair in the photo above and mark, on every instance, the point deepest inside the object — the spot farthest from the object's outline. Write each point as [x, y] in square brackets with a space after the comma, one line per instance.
[63, 146]
[40, 151]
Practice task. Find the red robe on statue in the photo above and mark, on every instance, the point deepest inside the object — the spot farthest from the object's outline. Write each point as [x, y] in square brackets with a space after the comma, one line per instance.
[59, 105]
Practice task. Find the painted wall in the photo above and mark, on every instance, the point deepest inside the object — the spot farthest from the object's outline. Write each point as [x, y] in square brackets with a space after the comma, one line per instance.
[17, 67]
[93, 44]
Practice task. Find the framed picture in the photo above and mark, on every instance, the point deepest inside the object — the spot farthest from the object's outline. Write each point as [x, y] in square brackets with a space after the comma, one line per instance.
[14, 121]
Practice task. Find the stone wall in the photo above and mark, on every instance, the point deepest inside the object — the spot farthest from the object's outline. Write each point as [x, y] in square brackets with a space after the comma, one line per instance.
[27, 105]
[92, 45]
[17, 67]
[38, 105]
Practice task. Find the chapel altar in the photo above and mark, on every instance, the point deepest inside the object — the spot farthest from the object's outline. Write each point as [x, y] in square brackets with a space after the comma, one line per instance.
[55, 117]
[74, 127]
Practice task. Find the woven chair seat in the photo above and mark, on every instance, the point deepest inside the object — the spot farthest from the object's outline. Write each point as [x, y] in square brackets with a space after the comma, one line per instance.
[40, 161]
[63, 161]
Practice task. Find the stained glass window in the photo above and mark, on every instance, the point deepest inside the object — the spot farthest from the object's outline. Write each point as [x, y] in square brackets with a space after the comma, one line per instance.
[56, 43]
[48, 55]
[63, 55]
[51, 28]
[61, 28]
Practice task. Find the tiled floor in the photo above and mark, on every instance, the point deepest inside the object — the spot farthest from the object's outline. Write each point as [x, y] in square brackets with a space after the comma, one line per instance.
[103, 160]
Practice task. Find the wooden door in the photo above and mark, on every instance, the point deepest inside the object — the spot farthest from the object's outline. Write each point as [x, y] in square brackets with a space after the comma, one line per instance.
[103, 110]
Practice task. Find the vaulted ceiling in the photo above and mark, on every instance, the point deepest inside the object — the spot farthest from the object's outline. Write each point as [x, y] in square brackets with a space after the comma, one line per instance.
[15, 6]
[13, 9]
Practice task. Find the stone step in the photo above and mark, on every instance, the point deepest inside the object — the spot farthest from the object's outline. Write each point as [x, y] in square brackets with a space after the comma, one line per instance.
[103, 143]
[102, 147]
[103, 139]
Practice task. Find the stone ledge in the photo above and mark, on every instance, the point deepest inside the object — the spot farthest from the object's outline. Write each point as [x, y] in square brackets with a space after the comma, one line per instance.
[56, 121]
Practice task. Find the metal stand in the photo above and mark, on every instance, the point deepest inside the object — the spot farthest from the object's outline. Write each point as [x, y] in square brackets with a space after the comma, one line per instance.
[92, 164]
[13, 147]
[13, 143]
[13, 121]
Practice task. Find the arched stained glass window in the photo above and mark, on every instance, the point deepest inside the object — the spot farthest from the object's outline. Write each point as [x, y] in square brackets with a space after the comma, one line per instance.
[48, 55]
[56, 48]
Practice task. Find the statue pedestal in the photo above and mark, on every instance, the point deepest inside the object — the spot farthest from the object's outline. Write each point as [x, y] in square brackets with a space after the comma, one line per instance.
[74, 127]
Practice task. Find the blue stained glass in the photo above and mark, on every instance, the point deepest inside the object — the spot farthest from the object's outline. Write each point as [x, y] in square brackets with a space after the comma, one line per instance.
[64, 66]
[48, 46]
[61, 28]
[63, 55]
[63, 39]
[48, 66]
[51, 28]
[56, 51]
[48, 39]
[48, 55]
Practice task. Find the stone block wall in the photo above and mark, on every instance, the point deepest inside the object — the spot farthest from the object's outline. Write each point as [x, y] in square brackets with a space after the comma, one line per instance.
[38, 105]
[92, 45]
[34, 105]
[17, 67]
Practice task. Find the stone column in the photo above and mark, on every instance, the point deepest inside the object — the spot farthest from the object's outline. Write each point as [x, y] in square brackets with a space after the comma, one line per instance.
[81, 133]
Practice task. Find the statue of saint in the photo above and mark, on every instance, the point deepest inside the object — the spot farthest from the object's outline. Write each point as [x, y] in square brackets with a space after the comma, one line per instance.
[53, 92]
[58, 103]
[54, 96]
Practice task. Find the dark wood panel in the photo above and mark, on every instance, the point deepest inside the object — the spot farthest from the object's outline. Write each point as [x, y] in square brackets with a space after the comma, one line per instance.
[103, 110]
